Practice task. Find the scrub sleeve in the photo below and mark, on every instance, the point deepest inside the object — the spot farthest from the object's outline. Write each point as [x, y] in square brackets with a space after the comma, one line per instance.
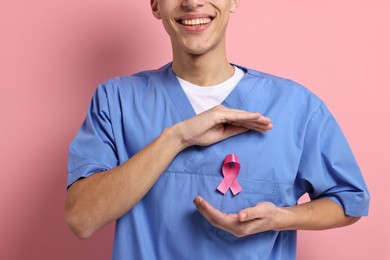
[93, 149]
[328, 168]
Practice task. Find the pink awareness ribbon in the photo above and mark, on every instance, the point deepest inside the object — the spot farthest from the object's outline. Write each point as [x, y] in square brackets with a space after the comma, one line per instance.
[230, 169]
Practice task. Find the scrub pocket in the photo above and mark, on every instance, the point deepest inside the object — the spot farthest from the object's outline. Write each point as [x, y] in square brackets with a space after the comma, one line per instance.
[253, 192]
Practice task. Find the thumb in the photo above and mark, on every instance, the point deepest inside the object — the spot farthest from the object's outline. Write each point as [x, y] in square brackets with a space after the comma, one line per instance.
[248, 214]
[232, 130]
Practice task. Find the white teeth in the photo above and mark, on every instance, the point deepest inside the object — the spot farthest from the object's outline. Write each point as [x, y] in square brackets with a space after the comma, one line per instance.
[195, 22]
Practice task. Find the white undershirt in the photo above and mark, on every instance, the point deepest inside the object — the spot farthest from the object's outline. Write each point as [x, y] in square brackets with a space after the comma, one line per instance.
[204, 98]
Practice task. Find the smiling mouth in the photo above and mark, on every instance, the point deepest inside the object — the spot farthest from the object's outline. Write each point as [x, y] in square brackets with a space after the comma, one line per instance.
[195, 22]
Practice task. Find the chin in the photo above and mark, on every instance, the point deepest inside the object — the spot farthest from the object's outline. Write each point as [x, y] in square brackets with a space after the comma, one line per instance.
[199, 49]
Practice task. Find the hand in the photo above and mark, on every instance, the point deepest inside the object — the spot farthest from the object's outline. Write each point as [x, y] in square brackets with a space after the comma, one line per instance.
[260, 218]
[219, 123]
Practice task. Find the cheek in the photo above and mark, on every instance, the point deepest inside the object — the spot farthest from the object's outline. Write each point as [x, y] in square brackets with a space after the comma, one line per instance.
[168, 25]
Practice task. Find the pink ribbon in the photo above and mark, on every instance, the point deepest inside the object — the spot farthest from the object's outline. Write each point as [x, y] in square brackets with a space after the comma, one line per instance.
[230, 170]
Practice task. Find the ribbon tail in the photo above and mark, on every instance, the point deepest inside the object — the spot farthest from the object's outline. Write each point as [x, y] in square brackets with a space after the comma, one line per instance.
[223, 187]
[235, 188]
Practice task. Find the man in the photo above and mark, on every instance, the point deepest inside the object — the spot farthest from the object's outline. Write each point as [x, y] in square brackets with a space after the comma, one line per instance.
[154, 142]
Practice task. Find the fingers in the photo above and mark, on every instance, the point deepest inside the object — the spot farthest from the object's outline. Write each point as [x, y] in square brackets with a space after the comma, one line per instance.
[208, 211]
[227, 222]
[225, 115]
[256, 126]
[217, 124]
[250, 120]
[214, 216]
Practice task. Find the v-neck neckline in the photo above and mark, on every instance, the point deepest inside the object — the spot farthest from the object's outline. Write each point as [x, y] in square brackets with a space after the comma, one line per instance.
[236, 98]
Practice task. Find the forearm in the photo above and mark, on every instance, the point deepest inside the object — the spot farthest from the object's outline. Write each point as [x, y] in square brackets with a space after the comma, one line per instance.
[314, 215]
[98, 200]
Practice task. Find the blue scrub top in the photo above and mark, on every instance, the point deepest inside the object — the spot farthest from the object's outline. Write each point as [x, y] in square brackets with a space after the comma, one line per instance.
[306, 152]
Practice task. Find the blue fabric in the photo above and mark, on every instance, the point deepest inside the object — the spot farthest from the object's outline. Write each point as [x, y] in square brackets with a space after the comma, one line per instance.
[305, 152]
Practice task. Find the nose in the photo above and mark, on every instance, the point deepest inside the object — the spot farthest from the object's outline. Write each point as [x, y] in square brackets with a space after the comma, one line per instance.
[192, 3]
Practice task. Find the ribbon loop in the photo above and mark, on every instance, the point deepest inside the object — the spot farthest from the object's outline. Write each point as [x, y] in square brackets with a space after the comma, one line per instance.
[230, 170]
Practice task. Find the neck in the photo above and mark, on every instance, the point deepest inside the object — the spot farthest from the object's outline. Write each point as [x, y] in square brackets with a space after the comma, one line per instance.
[203, 70]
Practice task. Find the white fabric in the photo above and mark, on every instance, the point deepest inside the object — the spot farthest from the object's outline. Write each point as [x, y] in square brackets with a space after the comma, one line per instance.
[203, 98]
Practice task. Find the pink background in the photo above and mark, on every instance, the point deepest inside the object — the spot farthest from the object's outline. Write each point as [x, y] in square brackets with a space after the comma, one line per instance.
[54, 53]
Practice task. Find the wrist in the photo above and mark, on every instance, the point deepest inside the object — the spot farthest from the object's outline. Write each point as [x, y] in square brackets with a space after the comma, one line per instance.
[175, 140]
[286, 219]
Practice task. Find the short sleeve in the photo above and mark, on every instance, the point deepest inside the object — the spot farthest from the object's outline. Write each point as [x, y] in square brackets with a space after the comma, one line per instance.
[328, 168]
[93, 148]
